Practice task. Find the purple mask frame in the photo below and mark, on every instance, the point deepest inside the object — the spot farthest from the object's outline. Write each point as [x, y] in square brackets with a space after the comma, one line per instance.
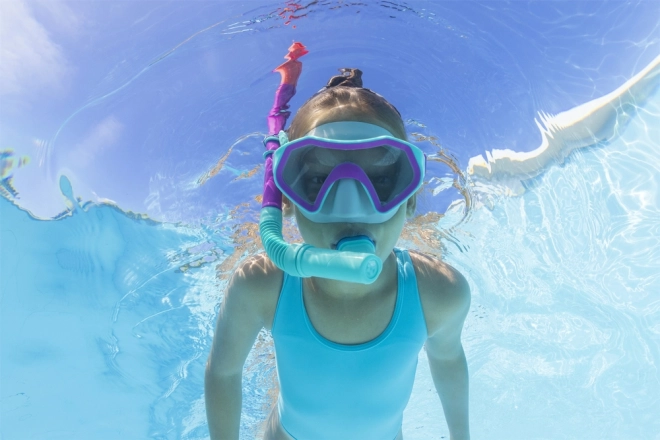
[350, 170]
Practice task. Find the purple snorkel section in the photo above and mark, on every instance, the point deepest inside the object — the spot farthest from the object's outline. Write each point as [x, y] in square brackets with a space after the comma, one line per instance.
[290, 71]
[276, 120]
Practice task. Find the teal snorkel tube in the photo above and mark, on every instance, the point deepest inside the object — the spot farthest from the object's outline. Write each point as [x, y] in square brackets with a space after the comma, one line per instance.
[354, 260]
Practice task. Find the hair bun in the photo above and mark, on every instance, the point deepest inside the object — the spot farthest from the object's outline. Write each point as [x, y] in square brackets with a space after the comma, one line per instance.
[348, 78]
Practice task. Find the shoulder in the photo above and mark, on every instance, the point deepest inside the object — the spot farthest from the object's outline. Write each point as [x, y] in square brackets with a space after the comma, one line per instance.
[243, 314]
[256, 284]
[257, 271]
[444, 293]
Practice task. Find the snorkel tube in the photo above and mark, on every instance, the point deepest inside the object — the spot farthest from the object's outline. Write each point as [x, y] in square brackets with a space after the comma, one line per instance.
[354, 260]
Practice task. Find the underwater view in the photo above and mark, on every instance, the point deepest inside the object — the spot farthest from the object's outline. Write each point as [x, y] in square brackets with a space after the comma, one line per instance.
[132, 161]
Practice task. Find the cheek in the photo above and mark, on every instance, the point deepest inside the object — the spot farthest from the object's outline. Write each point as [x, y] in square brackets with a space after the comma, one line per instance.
[310, 232]
[391, 231]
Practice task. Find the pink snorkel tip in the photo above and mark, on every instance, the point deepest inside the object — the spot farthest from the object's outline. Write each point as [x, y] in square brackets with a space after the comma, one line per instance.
[290, 69]
[296, 50]
[290, 72]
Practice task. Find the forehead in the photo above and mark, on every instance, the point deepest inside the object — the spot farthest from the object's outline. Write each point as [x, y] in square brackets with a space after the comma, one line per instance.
[382, 117]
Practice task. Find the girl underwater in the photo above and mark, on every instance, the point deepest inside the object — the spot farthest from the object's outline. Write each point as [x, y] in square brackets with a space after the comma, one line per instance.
[346, 351]
[348, 311]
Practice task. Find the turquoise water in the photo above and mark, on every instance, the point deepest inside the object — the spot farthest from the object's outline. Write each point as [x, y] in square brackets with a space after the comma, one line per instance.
[106, 316]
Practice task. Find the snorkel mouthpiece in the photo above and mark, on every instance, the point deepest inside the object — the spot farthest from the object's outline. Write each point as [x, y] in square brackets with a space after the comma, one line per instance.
[359, 243]
[354, 260]
[362, 244]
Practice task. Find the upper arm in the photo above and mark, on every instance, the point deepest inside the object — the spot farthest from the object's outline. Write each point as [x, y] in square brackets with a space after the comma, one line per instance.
[445, 295]
[242, 315]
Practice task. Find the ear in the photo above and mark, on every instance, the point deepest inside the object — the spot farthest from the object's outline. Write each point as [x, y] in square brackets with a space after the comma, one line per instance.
[287, 207]
[411, 206]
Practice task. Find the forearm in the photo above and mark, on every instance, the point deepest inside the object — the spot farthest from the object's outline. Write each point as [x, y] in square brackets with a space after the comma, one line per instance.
[223, 396]
[450, 377]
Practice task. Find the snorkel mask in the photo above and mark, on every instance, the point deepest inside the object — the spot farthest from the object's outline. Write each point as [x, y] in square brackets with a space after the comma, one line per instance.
[352, 172]
[348, 171]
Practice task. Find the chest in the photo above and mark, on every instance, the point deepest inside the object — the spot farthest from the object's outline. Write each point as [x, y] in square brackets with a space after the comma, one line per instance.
[350, 323]
[346, 323]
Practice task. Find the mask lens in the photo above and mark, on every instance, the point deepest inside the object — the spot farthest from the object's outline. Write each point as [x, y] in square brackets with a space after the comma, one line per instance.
[387, 168]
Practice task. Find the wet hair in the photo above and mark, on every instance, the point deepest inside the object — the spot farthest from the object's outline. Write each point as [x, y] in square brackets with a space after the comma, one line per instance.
[344, 99]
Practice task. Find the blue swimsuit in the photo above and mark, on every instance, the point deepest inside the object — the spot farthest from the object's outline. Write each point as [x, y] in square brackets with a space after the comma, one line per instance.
[331, 391]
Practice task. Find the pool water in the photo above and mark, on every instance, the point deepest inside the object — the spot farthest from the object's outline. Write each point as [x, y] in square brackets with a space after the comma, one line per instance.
[111, 283]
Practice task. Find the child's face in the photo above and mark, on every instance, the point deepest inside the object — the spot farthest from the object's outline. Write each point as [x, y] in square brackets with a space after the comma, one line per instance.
[384, 235]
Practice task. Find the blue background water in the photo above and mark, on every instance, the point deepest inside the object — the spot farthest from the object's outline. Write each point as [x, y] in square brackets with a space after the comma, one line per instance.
[106, 316]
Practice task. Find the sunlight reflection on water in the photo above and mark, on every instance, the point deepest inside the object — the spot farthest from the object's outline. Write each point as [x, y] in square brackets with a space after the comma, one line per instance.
[107, 316]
